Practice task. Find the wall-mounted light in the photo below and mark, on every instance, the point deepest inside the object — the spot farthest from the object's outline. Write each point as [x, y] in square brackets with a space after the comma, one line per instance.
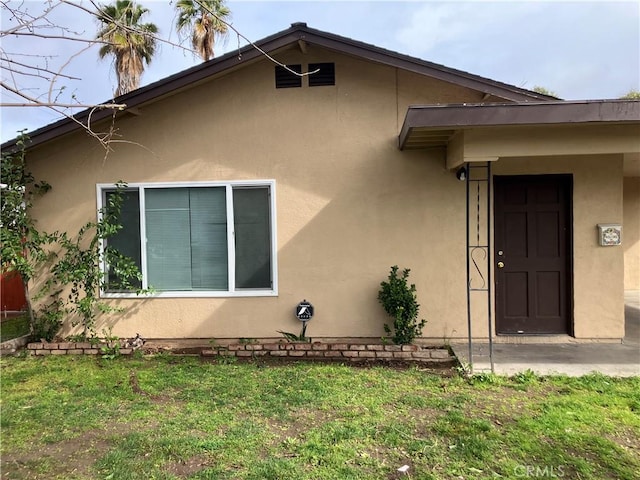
[461, 174]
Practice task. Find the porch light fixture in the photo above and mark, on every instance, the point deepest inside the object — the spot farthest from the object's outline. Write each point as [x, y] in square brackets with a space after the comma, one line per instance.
[461, 174]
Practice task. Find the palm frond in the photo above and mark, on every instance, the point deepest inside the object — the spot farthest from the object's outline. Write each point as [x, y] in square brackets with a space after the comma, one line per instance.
[132, 44]
[203, 25]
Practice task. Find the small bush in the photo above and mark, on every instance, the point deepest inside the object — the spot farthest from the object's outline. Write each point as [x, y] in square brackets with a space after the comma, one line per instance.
[111, 349]
[399, 300]
[48, 321]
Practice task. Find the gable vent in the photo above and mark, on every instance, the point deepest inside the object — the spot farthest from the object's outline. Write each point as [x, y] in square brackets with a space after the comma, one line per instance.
[326, 75]
[286, 79]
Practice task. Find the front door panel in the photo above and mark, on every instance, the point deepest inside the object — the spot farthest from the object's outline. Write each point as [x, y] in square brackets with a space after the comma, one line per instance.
[532, 254]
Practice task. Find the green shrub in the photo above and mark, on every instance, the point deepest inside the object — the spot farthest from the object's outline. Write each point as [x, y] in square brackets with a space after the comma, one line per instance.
[47, 321]
[399, 300]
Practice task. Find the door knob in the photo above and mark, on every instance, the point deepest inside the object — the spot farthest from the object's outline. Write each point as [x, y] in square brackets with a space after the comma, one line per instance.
[500, 264]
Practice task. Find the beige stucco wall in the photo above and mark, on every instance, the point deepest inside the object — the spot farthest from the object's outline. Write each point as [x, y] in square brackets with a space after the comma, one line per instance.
[631, 233]
[490, 143]
[349, 203]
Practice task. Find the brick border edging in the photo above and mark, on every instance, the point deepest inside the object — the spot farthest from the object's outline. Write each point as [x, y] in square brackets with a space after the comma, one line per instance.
[352, 352]
[71, 348]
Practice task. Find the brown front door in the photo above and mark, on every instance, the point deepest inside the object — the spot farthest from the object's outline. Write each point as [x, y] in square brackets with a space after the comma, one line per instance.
[532, 254]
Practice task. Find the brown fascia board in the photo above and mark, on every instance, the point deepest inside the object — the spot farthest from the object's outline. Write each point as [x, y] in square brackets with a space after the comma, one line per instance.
[248, 53]
[422, 67]
[438, 117]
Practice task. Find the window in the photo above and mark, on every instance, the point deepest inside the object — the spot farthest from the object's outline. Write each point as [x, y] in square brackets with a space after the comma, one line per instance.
[201, 239]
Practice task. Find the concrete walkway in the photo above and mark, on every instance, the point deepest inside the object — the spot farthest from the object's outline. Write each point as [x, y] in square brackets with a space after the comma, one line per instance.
[573, 359]
[632, 317]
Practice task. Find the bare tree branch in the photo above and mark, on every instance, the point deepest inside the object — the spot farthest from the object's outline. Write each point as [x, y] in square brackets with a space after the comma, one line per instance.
[59, 73]
[34, 20]
[20, 16]
[10, 62]
[103, 138]
[34, 102]
[17, 67]
[240, 35]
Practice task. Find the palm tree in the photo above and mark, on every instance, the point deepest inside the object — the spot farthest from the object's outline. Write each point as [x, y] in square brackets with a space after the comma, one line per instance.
[131, 43]
[204, 19]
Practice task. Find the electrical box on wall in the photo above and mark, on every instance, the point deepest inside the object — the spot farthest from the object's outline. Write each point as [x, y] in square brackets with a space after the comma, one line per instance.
[609, 234]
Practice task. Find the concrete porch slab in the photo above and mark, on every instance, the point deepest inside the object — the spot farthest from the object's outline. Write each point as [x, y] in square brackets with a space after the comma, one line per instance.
[573, 359]
[632, 317]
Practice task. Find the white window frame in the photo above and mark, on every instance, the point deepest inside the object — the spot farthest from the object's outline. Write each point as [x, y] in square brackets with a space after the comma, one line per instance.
[231, 292]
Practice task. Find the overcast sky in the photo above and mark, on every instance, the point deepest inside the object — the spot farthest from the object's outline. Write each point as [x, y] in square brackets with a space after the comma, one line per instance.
[579, 49]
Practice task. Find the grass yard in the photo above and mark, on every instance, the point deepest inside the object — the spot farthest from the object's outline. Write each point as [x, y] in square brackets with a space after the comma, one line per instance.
[15, 327]
[176, 417]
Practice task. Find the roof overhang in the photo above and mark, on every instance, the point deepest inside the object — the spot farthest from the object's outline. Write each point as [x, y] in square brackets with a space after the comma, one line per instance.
[298, 36]
[428, 126]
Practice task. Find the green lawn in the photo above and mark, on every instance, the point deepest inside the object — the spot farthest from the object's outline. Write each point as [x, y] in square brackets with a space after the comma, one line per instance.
[171, 417]
[14, 327]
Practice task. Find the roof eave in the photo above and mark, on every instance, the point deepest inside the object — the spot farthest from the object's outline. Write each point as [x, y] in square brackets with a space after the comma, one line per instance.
[458, 117]
[157, 89]
[248, 53]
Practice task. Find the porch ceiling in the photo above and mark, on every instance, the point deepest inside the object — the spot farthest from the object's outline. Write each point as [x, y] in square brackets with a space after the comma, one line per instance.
[427, 126]
[425, 137]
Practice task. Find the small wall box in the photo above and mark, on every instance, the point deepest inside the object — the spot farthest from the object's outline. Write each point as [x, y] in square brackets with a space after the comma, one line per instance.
[609, 234]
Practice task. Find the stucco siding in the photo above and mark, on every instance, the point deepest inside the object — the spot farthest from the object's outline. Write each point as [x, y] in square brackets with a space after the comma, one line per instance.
[349, 203]
[631, 233]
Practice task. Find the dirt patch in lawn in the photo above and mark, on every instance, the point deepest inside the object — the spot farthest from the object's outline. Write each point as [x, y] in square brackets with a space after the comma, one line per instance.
[186, 468]
[504, 405]
[67, 459]
[626, 438]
